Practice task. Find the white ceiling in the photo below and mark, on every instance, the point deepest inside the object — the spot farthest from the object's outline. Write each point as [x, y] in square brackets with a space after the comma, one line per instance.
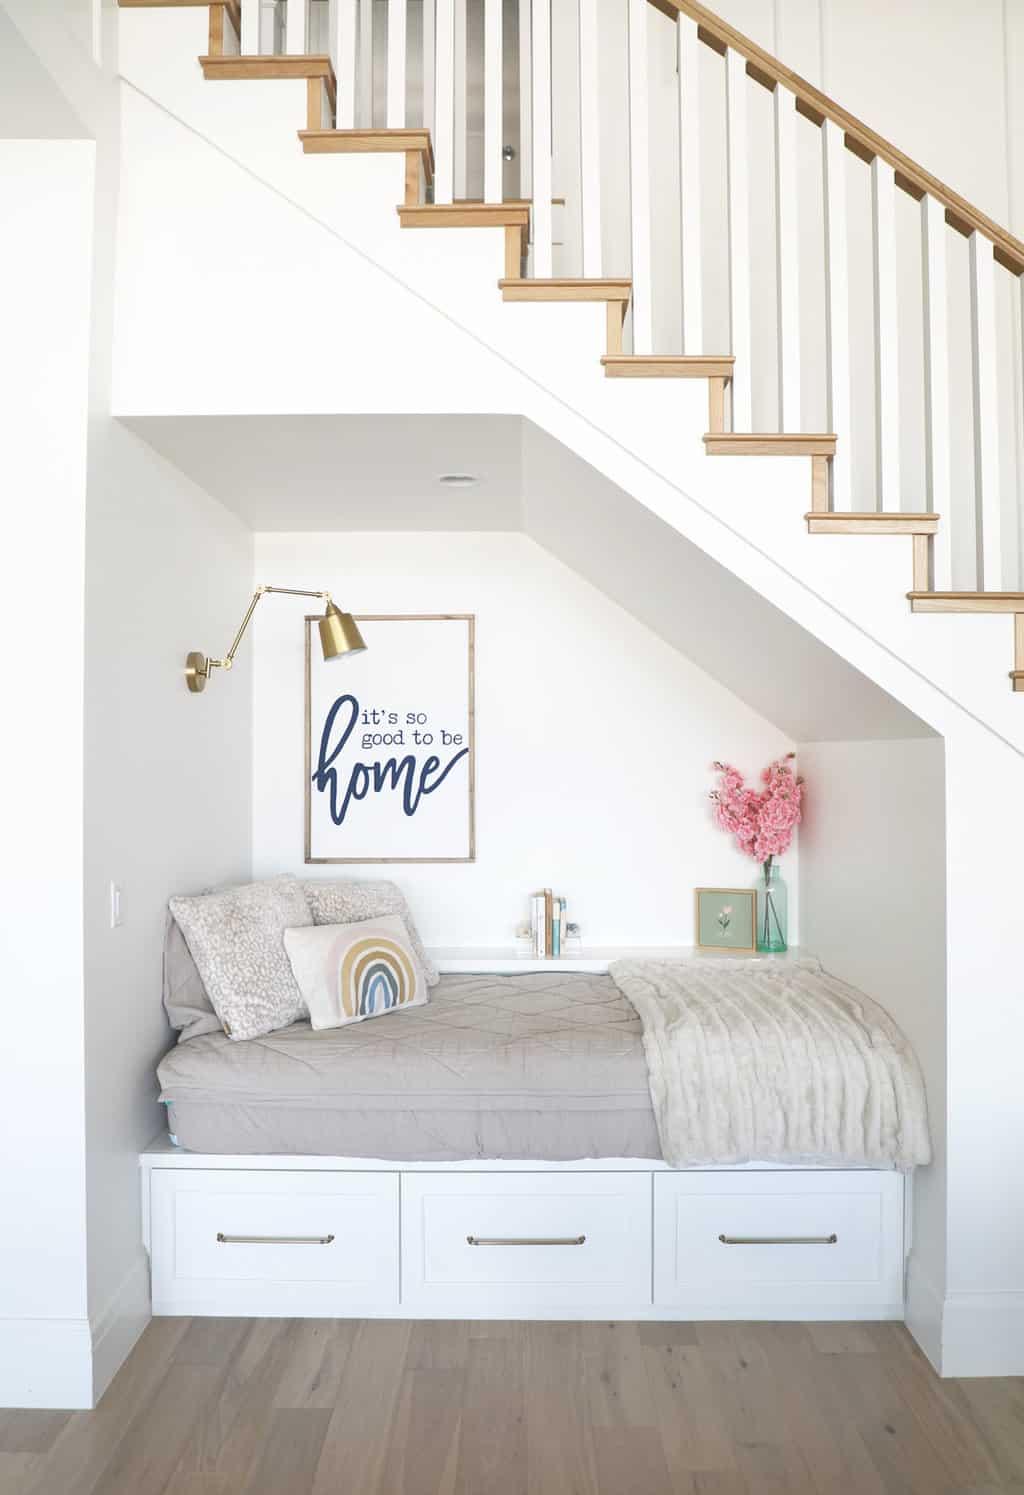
[341, 472]
[379, 472]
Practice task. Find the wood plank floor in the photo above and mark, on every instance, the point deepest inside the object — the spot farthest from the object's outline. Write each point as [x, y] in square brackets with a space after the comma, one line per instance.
[321, 1407]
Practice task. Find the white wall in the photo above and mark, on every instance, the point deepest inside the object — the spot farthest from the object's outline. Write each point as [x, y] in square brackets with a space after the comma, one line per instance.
[109, 774]
[167, 805]
[983, 1321]
[594, 739]
[45, 269]
[873, 902]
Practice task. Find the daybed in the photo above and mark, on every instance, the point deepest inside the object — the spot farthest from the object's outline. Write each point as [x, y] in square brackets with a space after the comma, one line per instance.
[495, 1153]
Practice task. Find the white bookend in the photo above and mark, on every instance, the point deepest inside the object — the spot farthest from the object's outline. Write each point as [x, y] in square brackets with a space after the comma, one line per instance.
[539, 924]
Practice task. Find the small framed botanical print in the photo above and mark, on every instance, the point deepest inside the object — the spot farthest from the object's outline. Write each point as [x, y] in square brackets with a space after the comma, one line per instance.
[725, 919]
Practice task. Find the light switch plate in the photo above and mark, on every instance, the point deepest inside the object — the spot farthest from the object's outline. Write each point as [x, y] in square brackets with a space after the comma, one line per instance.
[115, 906]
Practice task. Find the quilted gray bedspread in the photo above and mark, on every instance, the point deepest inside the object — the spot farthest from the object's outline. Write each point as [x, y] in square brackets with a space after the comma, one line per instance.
[547, 1066]
[775, 1062]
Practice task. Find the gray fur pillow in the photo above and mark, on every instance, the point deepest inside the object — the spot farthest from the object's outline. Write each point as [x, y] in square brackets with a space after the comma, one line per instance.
[348, 900]
[237, 940]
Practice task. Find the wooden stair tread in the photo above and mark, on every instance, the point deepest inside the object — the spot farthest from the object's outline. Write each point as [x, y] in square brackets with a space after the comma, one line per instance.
[508, 202]
[312, 66]
[359, 142]
[565, 289]
[967, 602]
[871, 522]
[465, 215]
[769, 444]
[668, 365]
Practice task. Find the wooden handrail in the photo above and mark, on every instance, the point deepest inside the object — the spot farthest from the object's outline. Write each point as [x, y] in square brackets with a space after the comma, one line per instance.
[860, 139]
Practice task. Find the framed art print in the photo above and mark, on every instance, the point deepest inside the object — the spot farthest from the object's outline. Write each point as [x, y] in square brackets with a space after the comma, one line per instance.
[389, 744]
[726, 920]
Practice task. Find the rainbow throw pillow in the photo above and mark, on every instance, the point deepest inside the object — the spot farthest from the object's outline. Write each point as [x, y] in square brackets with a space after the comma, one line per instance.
[349, 972]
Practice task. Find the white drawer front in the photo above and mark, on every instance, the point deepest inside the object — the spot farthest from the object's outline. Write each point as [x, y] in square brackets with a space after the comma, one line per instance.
[283, 1239]
[778, 1238]
[488, 1242]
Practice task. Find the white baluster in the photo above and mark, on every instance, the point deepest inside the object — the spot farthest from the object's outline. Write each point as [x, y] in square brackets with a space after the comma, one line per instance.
[837, 310]
[640, 179]
[493, 114]
[295, 27]
[1017, 301]
[540, 151]
[590, 140]
[345, 61]
[461, 122]
[987, 485]
[395, 117]
[887, 362]
[444, 101]
[250, 40]
[739, 240]
[525, 99]
[366, 64]
[936, 355]
[688, 50]
[428, 66]
[787, 260]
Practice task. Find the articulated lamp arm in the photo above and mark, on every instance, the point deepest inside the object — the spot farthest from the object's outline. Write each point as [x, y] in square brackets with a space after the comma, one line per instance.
[338, 635]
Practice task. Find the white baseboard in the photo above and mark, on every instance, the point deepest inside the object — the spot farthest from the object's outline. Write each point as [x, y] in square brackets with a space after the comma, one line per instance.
[119, 1325]
[924, 1313]
[983, 1334]
[46, 1363]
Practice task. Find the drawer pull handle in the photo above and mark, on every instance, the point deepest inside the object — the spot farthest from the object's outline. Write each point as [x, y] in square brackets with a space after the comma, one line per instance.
[273, 1240]
[526, 1240]
[778, 1240]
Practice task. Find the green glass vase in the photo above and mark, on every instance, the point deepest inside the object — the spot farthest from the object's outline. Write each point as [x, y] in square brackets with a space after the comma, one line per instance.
[772, 910]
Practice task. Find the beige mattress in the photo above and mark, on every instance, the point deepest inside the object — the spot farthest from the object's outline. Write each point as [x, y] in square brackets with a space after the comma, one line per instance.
[547, 1066]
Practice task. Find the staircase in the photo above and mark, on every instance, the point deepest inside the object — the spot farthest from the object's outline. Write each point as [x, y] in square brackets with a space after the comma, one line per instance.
[360, 90]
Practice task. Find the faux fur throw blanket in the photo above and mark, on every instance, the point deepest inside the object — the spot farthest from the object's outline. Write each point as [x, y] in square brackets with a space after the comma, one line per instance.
[774, 1062]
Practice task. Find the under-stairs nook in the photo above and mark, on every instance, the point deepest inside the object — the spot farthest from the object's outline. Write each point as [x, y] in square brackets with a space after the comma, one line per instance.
[575, 1044]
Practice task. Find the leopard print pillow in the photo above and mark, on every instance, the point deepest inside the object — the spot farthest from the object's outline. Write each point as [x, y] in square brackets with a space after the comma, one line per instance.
[237, 941]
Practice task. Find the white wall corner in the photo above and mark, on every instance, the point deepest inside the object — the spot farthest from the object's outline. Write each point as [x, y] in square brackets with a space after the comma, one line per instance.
[983, 1334]
[117, 1328]
[46, 1363]
[923, 1312]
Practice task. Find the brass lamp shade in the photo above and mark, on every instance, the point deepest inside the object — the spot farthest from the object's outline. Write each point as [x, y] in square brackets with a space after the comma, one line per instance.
[339, 634]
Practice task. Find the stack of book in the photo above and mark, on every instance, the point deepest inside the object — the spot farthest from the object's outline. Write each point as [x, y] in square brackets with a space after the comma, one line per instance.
[548, 918]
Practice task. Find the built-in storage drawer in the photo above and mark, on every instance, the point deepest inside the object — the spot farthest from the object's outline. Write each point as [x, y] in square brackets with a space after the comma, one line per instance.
[771, 1242]
[273, 1242]
[486, 1243]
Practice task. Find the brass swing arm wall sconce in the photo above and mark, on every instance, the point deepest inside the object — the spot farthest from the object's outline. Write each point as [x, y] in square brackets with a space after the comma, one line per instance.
[338, 636]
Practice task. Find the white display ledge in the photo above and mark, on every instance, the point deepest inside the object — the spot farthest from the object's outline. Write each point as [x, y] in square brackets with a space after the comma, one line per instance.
[506, 960]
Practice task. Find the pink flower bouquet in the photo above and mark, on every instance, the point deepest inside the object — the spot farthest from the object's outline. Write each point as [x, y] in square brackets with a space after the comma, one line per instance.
[762, 821]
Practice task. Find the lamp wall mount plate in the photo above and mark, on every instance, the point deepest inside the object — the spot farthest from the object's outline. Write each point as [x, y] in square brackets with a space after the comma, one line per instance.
[197, 670]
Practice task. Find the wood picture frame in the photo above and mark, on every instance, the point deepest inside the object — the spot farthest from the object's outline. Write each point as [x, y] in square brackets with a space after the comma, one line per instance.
[746, 898]
[464, 740]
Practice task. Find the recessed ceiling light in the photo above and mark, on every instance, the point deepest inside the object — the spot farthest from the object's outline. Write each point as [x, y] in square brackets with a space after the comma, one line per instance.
[458, 479]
